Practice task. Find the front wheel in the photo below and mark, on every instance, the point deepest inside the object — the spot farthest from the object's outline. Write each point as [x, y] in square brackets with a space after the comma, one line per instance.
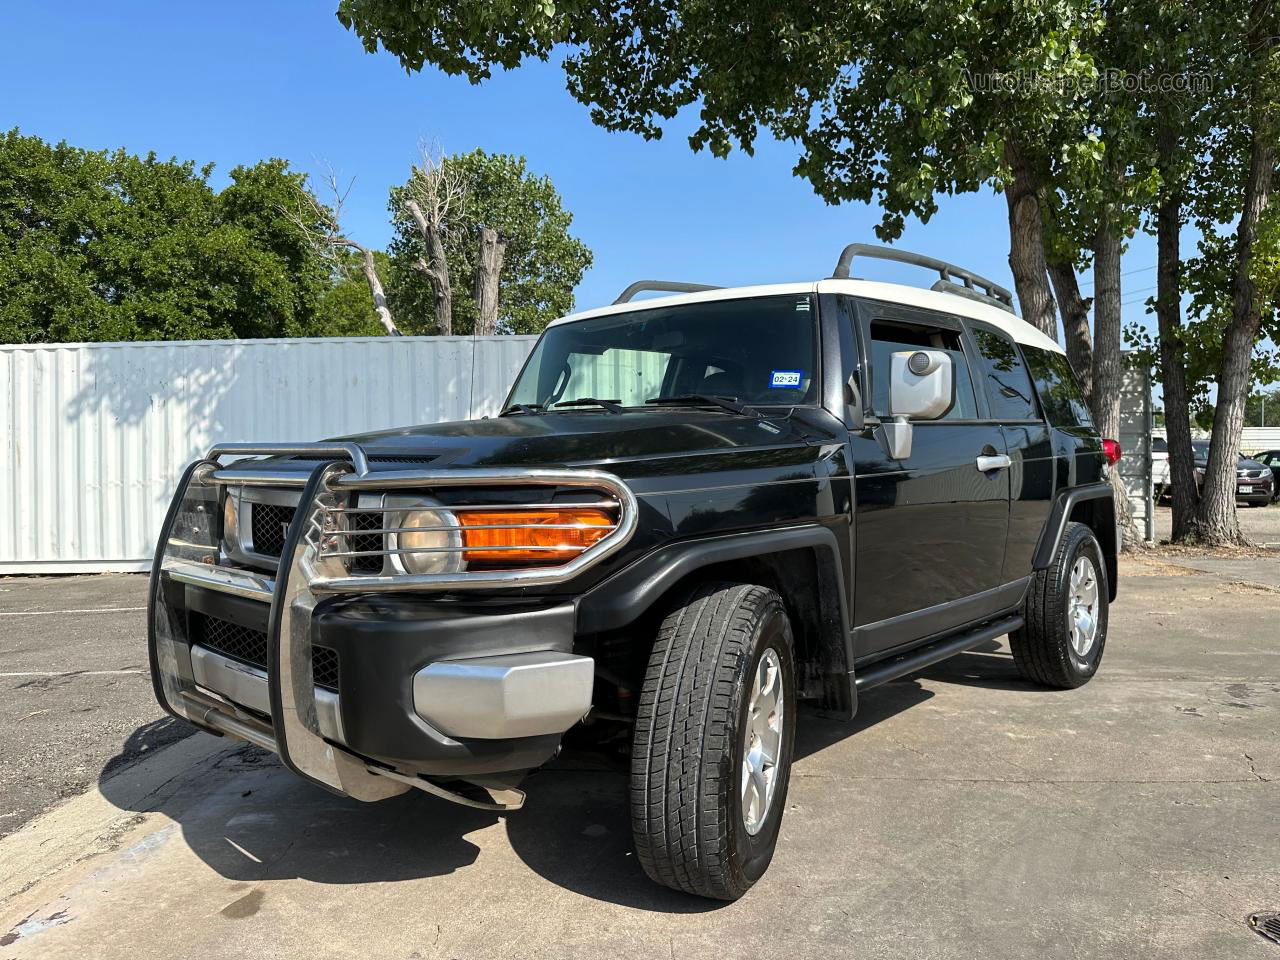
[715, 724]
[1061, 641]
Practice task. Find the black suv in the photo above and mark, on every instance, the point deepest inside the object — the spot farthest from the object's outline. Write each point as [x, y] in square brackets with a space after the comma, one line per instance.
[694, 514]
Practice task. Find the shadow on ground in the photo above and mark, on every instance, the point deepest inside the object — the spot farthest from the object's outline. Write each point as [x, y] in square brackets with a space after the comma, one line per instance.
[251, 820]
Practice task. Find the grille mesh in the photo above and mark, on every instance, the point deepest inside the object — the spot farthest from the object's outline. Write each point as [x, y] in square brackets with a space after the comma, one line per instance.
[250, 646]
[367, 541]
[324, 667]
[269, 522]
[230, 639]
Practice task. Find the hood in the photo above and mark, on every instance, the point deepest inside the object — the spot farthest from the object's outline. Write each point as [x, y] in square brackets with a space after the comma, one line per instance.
[565, 438]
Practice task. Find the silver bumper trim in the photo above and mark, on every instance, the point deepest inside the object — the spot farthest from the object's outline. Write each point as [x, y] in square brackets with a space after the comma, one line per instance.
[514, 695]
[232, 580]
[247, 686]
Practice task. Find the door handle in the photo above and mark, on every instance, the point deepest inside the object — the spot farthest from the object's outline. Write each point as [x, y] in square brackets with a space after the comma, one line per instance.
[998, 462]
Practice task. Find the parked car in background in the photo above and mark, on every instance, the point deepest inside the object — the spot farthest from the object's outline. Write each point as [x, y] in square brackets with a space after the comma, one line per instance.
[1255, 484]
[1271, 459]
[1160, 467]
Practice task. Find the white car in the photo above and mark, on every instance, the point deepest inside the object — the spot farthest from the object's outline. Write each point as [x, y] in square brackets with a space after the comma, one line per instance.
[1159, 467]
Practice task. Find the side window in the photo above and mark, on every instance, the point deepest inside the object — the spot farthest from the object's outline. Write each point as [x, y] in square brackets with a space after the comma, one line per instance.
[1060, 393]
[889, 337]
[1159, 445]
[1004, 377]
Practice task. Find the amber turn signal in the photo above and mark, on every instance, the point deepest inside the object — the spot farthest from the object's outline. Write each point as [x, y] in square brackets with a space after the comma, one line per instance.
[509, 536]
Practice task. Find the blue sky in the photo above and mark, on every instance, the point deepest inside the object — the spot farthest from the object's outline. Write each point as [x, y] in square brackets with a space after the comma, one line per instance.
[236, 82]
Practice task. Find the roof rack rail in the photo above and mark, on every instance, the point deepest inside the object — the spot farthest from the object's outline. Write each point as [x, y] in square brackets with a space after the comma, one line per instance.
[667, 286]
[971, 285]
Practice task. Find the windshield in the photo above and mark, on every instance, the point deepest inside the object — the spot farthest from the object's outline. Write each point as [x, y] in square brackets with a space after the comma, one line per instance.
[1200, 449]
[758, 350]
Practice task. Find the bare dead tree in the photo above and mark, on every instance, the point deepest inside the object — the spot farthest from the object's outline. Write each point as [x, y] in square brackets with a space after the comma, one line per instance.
[323, 227]
[488, 267]
[435, 194]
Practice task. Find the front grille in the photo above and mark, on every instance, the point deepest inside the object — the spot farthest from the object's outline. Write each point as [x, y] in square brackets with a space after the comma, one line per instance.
[250, 646]
[269, 524]
[230, 639]
[365, 542]
[376, 458]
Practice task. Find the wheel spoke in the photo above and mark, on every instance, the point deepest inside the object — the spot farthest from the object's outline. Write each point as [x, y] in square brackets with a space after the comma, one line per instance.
[762, 740]
[749, 799]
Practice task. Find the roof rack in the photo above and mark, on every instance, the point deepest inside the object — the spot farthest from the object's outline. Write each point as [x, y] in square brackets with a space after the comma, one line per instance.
[667, 286]
[971, 285]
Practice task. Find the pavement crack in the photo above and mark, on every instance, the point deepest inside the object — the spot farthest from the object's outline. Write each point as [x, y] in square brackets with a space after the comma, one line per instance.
[1253, 769]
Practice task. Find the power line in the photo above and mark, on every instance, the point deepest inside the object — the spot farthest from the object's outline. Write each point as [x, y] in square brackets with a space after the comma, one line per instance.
[1127, 273]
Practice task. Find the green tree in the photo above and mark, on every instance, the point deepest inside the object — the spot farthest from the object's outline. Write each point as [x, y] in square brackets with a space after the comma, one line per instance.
[542, 261]
[890, 100]
[109, 246]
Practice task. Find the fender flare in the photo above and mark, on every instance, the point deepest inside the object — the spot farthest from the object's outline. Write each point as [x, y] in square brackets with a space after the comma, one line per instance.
[1054, 529]
[626, 595]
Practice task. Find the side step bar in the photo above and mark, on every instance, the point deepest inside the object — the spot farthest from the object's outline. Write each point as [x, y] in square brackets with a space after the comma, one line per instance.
[913, 660]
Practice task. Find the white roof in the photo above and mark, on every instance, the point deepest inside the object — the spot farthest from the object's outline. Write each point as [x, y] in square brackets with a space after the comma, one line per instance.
[951, 303]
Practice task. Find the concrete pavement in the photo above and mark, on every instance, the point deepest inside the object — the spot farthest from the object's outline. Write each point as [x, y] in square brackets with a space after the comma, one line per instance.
[74, 687]
[962, 814]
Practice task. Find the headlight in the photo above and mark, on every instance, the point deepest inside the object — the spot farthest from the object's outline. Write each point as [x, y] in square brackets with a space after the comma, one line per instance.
[431, 539]
[230, 520]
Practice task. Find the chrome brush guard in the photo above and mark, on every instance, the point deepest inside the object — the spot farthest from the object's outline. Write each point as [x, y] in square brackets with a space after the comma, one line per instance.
[315, 562]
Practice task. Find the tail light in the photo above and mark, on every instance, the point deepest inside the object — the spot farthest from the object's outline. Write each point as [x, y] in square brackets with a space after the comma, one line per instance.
[505, 536]
[1111, 449]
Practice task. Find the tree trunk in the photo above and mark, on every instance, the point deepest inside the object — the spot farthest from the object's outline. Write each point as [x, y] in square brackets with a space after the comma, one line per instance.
[1026, 242]
[1216, 521]
[1108, 370]
[1173, 370]
[370, 270]
[436, 268]
[1075, 322]
[488, 269]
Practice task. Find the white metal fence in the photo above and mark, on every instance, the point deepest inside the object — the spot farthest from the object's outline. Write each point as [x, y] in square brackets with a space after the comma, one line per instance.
[1135, 447]
[93, 437]
[1252, 439]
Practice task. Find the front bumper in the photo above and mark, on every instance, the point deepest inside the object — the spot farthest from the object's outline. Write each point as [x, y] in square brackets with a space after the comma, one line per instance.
[424, 688]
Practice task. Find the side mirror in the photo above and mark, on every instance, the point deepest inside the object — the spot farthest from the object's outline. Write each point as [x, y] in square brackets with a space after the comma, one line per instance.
[921, 387]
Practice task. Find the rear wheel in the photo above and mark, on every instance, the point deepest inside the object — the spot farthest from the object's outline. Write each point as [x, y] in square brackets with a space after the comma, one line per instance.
[715, 723]
[1065, 630]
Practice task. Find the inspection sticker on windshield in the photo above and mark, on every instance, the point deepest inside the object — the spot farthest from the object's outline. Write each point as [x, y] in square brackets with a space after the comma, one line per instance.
[785, 379]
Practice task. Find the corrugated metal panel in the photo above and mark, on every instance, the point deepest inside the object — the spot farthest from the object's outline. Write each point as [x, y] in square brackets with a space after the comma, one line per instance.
[1252, 439]
[1258, 439]
[95, 435]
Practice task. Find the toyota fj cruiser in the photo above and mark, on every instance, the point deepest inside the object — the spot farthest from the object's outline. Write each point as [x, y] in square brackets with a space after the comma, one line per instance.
[693, 514]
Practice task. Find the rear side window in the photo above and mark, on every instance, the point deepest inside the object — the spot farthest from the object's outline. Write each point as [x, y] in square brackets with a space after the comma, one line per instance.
[890, 337]
[1063, 400]
[1159, 445]
[1004, 377]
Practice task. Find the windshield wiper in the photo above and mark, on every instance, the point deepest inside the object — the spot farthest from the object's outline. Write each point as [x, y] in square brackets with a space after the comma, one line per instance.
[611, 405]
[526, 408]
[705, 400]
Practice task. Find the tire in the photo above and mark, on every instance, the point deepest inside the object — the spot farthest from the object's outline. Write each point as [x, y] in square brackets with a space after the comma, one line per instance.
[692, 726]
[1043, 647]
